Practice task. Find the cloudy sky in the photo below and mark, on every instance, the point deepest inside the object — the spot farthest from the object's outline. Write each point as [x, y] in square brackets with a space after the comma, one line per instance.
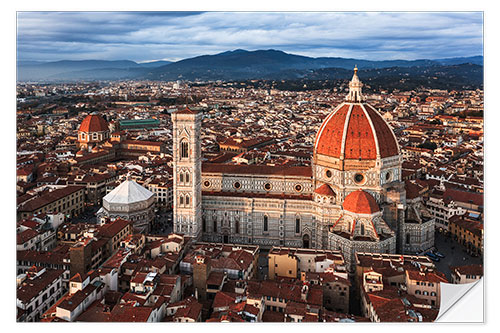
[146, 36]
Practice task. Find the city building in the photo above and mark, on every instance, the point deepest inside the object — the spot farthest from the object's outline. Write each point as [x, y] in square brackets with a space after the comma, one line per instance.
[93, 129]
[466, 273]
[468, 230]
[291, 262]
[37, 290]
[68, 200]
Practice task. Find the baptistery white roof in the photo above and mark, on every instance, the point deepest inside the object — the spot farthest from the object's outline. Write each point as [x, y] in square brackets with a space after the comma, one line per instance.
[128, 192]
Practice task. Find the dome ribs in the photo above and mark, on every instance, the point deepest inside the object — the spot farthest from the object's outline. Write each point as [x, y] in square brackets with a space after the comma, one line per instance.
[330, 135]
[94, 123]
[386, 141]
[360, 202]
[360, 142]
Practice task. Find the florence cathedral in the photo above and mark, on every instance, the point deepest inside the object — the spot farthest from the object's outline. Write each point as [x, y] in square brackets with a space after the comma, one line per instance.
[351, 199]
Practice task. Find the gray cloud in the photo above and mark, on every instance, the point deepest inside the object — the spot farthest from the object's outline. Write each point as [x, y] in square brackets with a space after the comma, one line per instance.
[144, 36]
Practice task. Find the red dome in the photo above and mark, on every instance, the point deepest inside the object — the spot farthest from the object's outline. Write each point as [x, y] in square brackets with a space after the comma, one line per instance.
[326, 190]
[357, 131]
[360, 202]
[94, 123]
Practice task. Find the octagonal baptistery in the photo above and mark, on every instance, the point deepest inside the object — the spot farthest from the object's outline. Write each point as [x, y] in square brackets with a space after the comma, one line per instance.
[355, 148]
[129, 201]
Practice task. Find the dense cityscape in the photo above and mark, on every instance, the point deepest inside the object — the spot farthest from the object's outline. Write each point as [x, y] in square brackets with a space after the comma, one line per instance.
[155, 201]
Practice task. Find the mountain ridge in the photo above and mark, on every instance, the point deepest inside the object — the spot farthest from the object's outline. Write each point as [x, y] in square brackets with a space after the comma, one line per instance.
[236, 64]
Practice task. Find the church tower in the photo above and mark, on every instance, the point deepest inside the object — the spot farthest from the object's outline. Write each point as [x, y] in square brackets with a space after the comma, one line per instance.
[187, 172]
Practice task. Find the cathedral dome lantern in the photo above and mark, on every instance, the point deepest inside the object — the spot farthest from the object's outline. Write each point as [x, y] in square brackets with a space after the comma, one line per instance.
[355, 130]
[355, 86]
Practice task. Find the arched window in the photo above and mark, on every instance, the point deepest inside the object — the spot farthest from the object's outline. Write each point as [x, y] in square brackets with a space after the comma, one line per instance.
[187, 177]
[181, 200]
[407, 238]
[297, 225]
[187, 200]
[184, 149]
[181, 177]
[215, 223]
[362, 229]
[237, 226]
[265, 223]
[203, 224]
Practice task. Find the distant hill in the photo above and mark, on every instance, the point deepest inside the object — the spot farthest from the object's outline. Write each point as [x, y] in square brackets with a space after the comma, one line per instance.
[273, 64]
[154, 64]
[83, 69]
[241, 65]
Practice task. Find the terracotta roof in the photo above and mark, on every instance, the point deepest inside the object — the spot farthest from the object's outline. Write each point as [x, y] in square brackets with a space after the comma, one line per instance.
[325, 189]
[94, 123]
[223, 299]
[76, 278]
[25, 236]
[193, 311]
[142, 143]
[97, 312]
[30, 223]
[352, 129]
[113, 228]
[49, 197]
[34, 286]
[273, 317]
[360, 202]
[435, 276]
[475, 227]
[215, 278]
[128, 313]
[468, 269]
[73, 301]
[55, 257]
[463, 196]
[412, 189]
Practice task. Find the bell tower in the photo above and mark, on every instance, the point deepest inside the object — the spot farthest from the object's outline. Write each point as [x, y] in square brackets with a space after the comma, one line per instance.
[187, 172]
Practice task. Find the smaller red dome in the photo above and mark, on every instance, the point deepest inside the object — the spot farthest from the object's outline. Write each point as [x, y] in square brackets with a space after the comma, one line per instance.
[360, 202]
[94, 123]
[326, 190]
